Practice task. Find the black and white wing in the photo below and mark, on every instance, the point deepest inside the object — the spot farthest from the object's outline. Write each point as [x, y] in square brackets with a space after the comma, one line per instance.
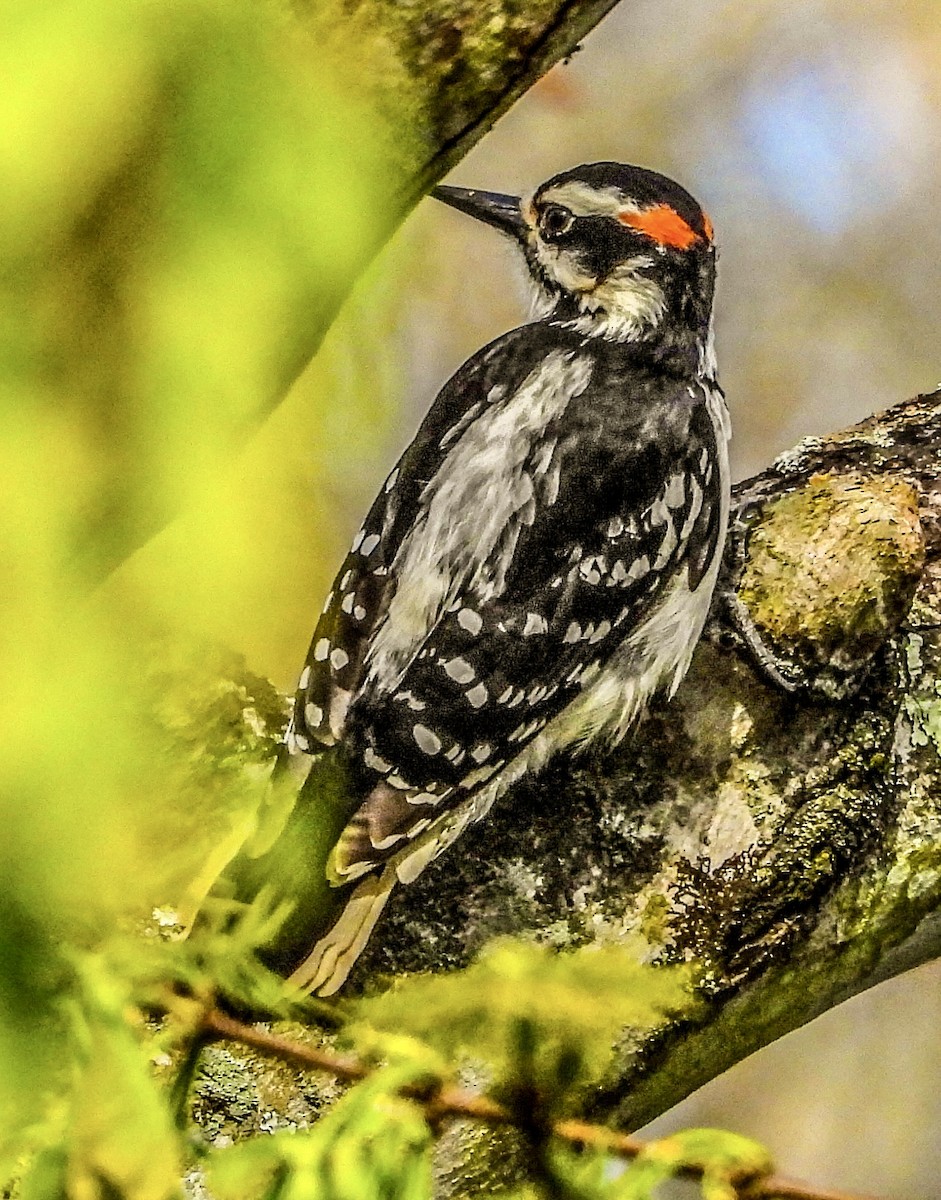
[540, 533]
[356, 608]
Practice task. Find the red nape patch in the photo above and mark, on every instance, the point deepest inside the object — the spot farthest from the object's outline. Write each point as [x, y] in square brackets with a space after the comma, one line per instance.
[663, 224]
[707, 226]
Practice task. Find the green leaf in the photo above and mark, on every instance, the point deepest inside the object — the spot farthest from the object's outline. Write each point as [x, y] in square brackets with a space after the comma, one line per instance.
[725, 1159]
[121, 1140]
[642, 1178]
[45, 1175]
[586, 1174]
[526, 1004]
[33, 1048]
[219, 960]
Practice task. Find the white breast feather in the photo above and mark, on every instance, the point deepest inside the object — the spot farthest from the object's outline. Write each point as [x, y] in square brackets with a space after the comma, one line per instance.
[472, 511]
[617, 693]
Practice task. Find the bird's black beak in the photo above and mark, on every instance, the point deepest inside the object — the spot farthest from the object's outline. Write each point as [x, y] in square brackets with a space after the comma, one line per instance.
[503, 212]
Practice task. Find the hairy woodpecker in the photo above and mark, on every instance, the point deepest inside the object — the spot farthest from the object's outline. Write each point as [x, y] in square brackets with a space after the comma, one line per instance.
[538, 564]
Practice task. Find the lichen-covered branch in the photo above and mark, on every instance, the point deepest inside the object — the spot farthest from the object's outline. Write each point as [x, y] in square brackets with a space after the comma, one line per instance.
[450, 69]
[786, 841]
[449, 1102]
[435, 79]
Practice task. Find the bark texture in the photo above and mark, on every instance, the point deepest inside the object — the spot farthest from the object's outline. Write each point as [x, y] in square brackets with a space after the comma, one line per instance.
[453, 68]
[788, 842]
[240, 165]
[785, 840]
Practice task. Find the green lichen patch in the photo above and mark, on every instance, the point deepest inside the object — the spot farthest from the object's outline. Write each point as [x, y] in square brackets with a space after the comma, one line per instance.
[921, 703]
[225, 1096]
[832, 568]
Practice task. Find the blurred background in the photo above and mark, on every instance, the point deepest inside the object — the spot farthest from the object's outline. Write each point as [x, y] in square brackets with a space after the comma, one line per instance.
[810, 133]
[809, 130]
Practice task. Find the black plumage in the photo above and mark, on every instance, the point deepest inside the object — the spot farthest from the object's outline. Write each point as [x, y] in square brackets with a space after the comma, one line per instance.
[548, 540]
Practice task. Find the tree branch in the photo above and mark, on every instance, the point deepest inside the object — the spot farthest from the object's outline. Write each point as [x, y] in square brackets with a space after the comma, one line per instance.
[463, 1104]
[440, 78]
[786, 842]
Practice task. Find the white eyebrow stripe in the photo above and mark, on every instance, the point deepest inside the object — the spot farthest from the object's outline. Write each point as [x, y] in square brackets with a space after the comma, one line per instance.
[585, 201]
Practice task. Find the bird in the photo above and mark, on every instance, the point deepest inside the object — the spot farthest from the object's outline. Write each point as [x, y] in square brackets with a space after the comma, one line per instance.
[537, 566]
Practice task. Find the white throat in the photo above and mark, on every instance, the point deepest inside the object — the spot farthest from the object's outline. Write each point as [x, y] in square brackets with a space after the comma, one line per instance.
[624, 307]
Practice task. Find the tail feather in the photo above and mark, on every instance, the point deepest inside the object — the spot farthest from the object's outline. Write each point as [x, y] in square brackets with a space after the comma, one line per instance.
[297, 855]
[286, 857]
[325, 969]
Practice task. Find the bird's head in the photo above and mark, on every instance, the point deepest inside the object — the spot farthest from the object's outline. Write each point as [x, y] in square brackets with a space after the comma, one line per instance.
[622, 252]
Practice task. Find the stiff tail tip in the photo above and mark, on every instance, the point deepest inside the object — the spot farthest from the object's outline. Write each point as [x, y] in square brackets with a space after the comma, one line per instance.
[325, 969]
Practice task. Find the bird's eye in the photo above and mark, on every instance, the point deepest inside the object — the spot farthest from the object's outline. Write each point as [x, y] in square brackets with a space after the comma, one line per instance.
[555, 220]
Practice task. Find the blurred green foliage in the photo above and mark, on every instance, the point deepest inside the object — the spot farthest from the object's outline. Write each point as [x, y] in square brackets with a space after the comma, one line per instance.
[178, 201]
[543, 1021]
[185, 190]
[727, 1162]
[372, 1145]
[723, 1163]
[523, 1008]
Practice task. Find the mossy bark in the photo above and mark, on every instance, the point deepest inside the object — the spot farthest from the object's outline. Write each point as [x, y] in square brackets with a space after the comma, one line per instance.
[786, 842]
[451, 69]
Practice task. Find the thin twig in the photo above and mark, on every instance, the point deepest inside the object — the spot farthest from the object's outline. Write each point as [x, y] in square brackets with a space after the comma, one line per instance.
[183, 1081]
[459, 1102]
